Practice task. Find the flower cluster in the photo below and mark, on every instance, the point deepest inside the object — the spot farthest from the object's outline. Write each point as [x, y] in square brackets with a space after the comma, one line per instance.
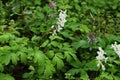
[60, 23]
[101, 57]
[91, 37]
[116, 48]
[52, 4]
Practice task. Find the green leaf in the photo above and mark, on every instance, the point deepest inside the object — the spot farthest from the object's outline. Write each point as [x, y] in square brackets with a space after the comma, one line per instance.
[73, 55]
[117, 62]
[60, 55]
[73, 26]
[112, 68]
[49, 69]
[1, 67]
[81, 43]
[35, 38]
[84, 75]
[92, 65]
[77, 7]
[116, 77]
[68, 57]
[55, 37]
[28, 76]
[118, 14]
[84, 28]
[76, 64]
[31, 68]
[14, 58]
[106, 75]
[93, 9]
[45, 43]
[114, 6]
[6, 59]
[56, 44]
[84, 44]
[6, 37]
[23, 57]
[57, 61]
[66, 34]
[110, 37]
[60, 63]
[5, 50]
[101, 42]
[6, 77]
[50, 54]
[2, 27]
[37, 2]
[75, 45]
[74, 71]
[39, 57]
[40, 70]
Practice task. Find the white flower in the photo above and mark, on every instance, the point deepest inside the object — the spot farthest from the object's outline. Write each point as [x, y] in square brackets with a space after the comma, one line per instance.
[54, 32]
[52, 26]
[62, 18]
[61, 21]
[101, 58]
[116, 48]
[59, 28]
